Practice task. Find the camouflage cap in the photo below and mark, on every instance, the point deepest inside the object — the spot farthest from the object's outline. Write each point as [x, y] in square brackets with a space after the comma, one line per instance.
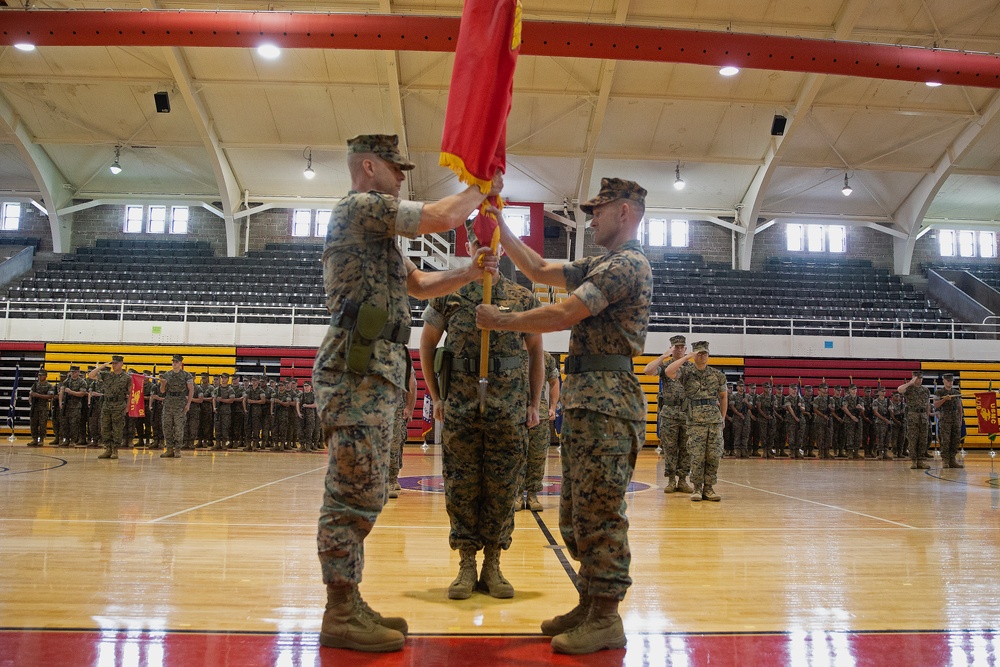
[852, 386]
[700, 346]
[177, 357]
[823, 386]
[678, 340]
[74, 368]
[948, 376]
[470, 231]
[386, 146]
[613, 189]
[918, 373]
[117, 358]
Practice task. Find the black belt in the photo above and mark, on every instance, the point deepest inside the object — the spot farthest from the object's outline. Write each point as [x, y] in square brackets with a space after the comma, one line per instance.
[398, 332]
[704, 401]
[585, 363]
[672, 404]
[467, 365]
[177, 393]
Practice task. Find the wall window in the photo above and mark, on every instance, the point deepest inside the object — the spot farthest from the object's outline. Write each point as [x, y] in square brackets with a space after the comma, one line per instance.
[133, 219]
[153, 219]
[11, 216]
[673, 233]
[518, 219]
[179, 216]
[157, 220]
[967, 243]
[816, 238]
[309, 222]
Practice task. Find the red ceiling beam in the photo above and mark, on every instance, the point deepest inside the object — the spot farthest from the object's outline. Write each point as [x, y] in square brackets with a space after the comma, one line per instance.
[541, 38]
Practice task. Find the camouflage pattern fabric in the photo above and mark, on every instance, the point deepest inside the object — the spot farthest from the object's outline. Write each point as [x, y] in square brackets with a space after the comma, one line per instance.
[256, 415]
[881, 429]
[822, 425]
[598, 459]
[765, 411]
[483, 454]
[741, 425]
[950, 416]
[113, 407]
[853, 430]
[539, 437]
[94, 427]
[672, 423]
[223, 415]
[915, 419]
[794, 424]
[307, 436]
[704, 421]
[174, 417]
[897, 433]
[361, 262]
[398, 440]
[40, 410]
[72, 430]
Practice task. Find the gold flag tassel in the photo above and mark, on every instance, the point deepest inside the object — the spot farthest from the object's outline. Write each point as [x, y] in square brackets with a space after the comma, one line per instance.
[484, 345]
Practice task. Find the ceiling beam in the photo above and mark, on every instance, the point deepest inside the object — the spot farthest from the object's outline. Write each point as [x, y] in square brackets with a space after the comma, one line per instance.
[379, 32]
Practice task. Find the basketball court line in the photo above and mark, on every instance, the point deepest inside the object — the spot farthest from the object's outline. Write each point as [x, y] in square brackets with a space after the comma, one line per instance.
[235, 495]
[816, 502]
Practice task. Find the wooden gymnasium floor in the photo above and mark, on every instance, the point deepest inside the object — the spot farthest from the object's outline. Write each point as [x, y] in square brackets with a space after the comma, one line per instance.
[210, 560]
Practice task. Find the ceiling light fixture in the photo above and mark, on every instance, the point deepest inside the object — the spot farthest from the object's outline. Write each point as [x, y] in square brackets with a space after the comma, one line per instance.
[24, 46]
[309, 172]
[847, 190]
[678, 181]
[115, 167]
[933, 84]
[729, 70]
[269, 51]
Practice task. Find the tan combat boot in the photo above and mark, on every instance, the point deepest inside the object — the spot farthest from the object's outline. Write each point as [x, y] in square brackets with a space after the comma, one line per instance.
[696, 494]
[955, 463]
[106, 454]
[533, 503]
[491, 579]
[568, 621]
[465, 582]
[601, 630]
[346, 625]
[710, 494]
[683, 486]
[397, 623]
[671, 484]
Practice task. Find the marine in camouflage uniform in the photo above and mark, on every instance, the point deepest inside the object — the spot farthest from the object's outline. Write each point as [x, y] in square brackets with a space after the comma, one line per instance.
[808, 430]
[854, 412]
[281, 403]
[206, 418]
[740, 409]
[792, 411]
[156, 397]
[765, 418]
[41, 395]
[672, 420]
[948, 403]
[267, 428]
[193, 423]
[604, 407]
[116, 384]
[882, 422]
[257, 404]
[837, 412]
[57, 412]
[366, 280]
[539, 439]
[178, 385]
[223, 399]
[822, 408]
[897, 434]
[482, 452]
[74, 391]
[916, 418]
[95, 397]
[707, 400]
[239, 415]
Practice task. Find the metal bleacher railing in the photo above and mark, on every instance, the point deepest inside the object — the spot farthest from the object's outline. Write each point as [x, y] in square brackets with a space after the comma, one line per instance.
[318, 315]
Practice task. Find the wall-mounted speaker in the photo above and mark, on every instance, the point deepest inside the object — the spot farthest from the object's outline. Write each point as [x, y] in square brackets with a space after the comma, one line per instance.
[162, 102]
[778, 126]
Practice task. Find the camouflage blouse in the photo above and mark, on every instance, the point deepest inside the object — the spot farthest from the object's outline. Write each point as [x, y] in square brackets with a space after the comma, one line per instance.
[917, 398]
[671, 394]
[950, 409]
[705, 385]
[116, 388]
[617, 289]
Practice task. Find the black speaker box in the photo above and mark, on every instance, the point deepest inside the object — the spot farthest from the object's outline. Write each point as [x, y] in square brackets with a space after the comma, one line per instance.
[778, 126]
[162, 102]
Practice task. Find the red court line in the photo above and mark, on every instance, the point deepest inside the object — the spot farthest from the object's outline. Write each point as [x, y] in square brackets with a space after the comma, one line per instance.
[143, 648]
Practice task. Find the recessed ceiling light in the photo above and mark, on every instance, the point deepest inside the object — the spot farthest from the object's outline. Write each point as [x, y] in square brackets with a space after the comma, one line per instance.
[24, 46]
[729, 71]
[933, 84]
[269, 51]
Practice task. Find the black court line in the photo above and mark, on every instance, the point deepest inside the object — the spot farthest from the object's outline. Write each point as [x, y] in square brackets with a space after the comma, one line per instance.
[560, 552]
[6, 472]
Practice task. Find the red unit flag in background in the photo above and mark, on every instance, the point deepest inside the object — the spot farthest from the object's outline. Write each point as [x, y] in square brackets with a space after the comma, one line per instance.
[986, 410]
[136, 406]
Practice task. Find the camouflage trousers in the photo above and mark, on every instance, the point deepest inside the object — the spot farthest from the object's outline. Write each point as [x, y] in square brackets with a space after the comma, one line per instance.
[482, 457]
[916, 434]
[538, 450]
[94, 427]
[598, 459]
[72, 421]
[156, 421]
[223, 424]
[192, 425]
[881, 438]
[113, 424]
[398, 439]
[852, 435]
[206, 425]
[254, 436]
[673, 440]
[766, 426]
[39, 420]
[307, 437]
[949, 433]
[823, 436]
[174, 420]
[897, 439]
[705, 444]
[741, 434]
[355, 488]
[794, 434]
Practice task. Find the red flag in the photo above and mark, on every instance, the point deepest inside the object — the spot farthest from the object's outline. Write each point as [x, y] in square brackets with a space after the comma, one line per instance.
[986, 410]
[474, 142]
[136, 406]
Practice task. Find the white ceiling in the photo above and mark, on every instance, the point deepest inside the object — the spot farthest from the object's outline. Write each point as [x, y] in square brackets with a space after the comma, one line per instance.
[573, 120]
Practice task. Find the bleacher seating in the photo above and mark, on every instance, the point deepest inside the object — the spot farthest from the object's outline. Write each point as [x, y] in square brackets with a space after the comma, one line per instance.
[988, 273]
